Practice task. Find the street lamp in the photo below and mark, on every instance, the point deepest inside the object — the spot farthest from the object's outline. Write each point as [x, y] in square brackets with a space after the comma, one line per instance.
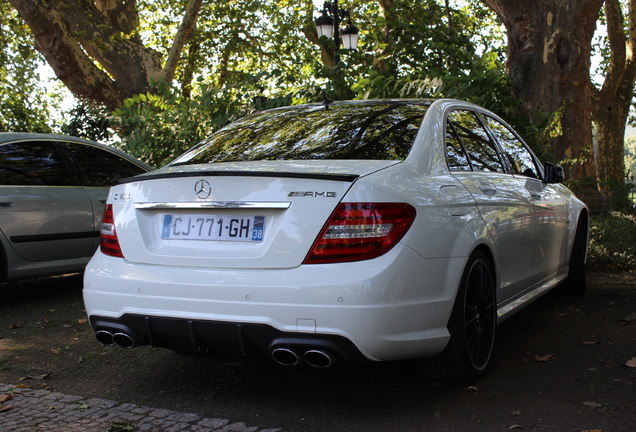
[328, 25]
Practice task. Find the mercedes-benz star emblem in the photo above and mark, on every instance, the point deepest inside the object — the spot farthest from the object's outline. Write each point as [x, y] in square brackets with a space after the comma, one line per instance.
[202, 189]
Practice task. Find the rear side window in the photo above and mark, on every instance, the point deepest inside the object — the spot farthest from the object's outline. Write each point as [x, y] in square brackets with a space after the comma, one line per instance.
[100, 167]
[518, 156]
[341, 131]
[474, 139]
[455, 153]
[33, 163]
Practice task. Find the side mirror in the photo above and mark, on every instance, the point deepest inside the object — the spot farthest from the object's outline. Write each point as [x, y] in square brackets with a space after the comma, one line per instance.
[553, 173]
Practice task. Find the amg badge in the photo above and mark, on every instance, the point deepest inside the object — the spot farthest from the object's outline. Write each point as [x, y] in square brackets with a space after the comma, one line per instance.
[312, 194]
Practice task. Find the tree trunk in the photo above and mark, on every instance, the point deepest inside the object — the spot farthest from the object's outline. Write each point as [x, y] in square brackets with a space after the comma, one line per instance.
[612, 102]
[75, 35]
[549, 47]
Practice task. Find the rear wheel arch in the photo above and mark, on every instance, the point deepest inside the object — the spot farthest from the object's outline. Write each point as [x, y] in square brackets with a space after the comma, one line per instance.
[472, 324]
[583, 223]
[575, 282]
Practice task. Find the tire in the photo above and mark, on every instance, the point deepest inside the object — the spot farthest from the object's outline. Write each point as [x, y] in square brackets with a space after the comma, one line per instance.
[575, 283]
[472, 326]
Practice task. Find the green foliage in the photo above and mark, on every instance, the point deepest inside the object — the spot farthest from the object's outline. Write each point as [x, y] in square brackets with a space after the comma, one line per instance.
[88, 121]
[157, 127]
[630, 159]
[23, 105]
[238, 62]
[427, 50]
[612, 245]
[246, 56]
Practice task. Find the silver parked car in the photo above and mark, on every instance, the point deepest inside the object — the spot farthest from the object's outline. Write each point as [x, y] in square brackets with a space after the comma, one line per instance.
[52, 194]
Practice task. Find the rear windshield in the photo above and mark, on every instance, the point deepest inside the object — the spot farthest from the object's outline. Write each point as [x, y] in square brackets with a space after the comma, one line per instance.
[380, 130]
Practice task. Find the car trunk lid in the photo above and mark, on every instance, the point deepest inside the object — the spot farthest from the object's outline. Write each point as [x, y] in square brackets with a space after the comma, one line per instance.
[231, 215]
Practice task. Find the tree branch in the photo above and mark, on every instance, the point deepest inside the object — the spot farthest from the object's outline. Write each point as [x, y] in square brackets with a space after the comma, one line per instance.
[65, 56]
[188, 25]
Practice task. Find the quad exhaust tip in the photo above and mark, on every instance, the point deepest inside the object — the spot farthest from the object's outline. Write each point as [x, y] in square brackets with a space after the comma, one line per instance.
[317, 358]
[120, 339]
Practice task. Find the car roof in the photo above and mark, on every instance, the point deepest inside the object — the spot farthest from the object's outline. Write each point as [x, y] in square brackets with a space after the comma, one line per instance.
[28, 136]
[7, 137]
[422, 101]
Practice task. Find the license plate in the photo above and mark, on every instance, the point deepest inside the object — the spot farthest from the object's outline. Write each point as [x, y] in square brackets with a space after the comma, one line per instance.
[213, 227]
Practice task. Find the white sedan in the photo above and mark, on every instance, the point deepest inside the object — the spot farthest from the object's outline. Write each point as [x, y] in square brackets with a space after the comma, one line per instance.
[368, 230]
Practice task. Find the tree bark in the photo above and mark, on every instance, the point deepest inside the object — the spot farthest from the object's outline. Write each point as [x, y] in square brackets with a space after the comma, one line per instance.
[613, 100]
[549, 47]
[76, 36]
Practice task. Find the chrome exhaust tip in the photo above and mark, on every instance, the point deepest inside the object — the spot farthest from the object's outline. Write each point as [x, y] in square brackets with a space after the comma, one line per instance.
[285, 356]
[318, 358]
[104, 337]
[123, 340]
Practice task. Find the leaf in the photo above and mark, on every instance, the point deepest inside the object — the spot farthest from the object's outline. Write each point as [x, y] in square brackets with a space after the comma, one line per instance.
[515, 413]
[82, 321]
[515, 427]
[593, 404]
[6, 408]
[631, 362]
[56, 351]
[84, 406]
[591, 343]
[545, 358]
[35, 377]
[630, 318]
[6, 397]
[472, 388]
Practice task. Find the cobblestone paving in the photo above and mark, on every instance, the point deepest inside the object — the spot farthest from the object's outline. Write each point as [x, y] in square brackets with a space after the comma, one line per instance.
[27, 410]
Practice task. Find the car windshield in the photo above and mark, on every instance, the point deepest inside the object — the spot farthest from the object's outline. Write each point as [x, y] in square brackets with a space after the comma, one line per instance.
[379, 130]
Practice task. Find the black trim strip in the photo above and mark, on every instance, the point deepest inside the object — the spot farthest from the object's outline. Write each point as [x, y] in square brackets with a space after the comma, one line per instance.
[51, 237]
[317, 176]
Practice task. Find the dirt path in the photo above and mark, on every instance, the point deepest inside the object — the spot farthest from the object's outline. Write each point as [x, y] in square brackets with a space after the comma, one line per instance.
[560, 365]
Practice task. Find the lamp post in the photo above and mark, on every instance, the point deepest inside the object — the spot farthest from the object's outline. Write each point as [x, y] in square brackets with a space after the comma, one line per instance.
[328, 24]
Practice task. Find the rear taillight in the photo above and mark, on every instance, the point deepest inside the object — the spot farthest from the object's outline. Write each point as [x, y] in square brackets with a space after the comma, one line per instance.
[361, 231]
[108, 243]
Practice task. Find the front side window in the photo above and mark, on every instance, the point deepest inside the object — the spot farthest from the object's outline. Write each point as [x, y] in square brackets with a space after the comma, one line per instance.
[474, 139]
[33, 163]
[518, 156]
[100, 167]
[383, 130]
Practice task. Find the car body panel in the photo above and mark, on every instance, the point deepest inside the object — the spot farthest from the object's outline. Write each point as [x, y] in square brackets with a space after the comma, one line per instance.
[142, 214]
[48, 223]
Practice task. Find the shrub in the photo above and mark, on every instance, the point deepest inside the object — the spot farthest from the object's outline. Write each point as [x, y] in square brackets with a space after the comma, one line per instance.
[612, 245]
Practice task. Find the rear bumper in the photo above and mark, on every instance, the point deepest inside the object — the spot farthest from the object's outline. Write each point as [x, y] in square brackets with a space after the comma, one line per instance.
[238, 339]
[390, 308]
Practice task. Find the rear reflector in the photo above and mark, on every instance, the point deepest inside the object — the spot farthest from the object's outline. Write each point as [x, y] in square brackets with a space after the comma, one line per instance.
[108, 243]
[361, 231]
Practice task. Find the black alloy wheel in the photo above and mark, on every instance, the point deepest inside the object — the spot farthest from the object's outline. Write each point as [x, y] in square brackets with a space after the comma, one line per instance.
[479, 309]
[472, 326]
